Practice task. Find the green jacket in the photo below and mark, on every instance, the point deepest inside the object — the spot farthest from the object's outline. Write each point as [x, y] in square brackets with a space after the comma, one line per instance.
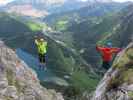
[41, 46]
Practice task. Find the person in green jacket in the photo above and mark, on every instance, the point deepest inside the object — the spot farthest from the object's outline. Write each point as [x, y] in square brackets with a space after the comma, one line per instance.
[42, 49]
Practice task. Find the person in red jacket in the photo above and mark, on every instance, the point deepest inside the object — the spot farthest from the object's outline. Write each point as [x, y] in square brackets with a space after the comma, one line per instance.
[107, 54]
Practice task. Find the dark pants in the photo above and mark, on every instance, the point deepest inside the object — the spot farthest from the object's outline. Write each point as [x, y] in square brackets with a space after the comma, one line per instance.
[106, 65]
[42, 58]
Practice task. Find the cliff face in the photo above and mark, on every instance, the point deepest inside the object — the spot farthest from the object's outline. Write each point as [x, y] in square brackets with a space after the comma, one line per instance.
[18, 81]
[117, 83]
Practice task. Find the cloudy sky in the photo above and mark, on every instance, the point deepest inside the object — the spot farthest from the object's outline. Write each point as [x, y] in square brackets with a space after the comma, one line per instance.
[114, 0]
[3, 2]
[123, 0]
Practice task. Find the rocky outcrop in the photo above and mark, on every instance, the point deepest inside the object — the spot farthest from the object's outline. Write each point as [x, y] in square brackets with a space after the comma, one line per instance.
[18, 81]
[117, 83]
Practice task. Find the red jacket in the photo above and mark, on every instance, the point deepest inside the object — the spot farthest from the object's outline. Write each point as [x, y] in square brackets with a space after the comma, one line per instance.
[107, 53]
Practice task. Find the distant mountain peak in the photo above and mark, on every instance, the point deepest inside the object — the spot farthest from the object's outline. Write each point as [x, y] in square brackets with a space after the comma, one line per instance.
[27, 10]
[49, 2]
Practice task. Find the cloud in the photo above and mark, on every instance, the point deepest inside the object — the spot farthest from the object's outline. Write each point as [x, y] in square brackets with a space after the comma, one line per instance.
[122, 0]
[54, 1]
[3, 2]
[108, 0]
[84, 0]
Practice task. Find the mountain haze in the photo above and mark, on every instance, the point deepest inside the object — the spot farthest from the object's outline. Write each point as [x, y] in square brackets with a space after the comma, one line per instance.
[72, 30]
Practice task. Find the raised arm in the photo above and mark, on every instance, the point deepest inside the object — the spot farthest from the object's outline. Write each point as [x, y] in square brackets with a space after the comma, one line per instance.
[99, 48]
[116, 50]
[46, 43]
[36, 41]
